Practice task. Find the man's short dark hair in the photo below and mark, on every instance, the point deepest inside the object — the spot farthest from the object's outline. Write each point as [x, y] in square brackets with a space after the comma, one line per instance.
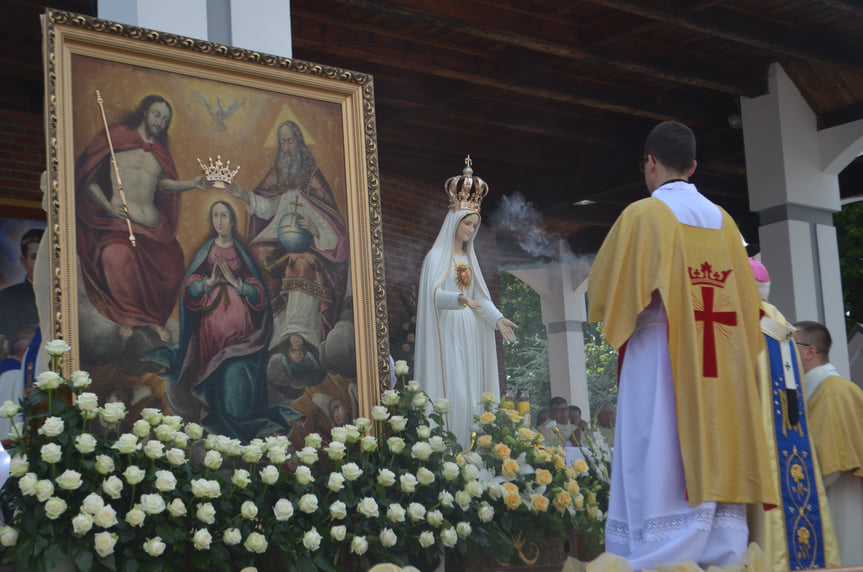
[575, 408]
[672, 144]
[29, 237]
[816, 334]
[557, 402]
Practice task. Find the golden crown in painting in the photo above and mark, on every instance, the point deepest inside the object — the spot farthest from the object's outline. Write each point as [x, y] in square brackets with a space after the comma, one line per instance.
[218, 173]
[466, 192]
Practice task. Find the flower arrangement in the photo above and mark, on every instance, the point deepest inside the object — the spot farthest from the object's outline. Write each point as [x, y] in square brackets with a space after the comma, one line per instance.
[168, 496]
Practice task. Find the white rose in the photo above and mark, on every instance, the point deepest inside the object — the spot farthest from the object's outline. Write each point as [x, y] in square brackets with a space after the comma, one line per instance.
[44, 489]
[151, 415]
[174, 421]
[141, 428]
[381, 413]
[442, 405]
[51, 453]
[486, 512]
[359, 545]
[57, 347]
[8, 536]
[206, 513]
[401, 368]
[388, 538]
[155, 547]
[470, 473]
[277, 454]
[126, 444]
[434, 518]
[48, 380]
[104, 543]
[134, 474]
[303, 475]
[463, 529]
[424, 432]
[421, 450]
[194, 431]
[450, 470]
[426, 538]
[69, 480]
[398, 423]
[199, 488]
[351, 471]
[177, 508]
[449, 537]
[446, 499]
[256, 542]
[368, 507]
[474, 489]
[154, 449]
[80, 379]
[420, 400]
[283, 510]
[92, 504]
[339, 434]
[312, 539]
[308, 503]
[19, 465]
[396, 512]
[413, 385]
[165, 481]
[338, 510]
[241, 478]
[232, 537]
[386, 477]
[416, 511]
[313, 440]
[153, 503]
[104, 464]
[338, 532]
[269, 475]
[82, 524]
[9, 410]
[389, 398]
[308, 456]
[353, 433]
[54, 507]
[249, 510]
[112, 486]
[213, 460]
[252, 454]
[105, 517]
[424, 476]
[396, 444]
[495, 491]
[27, 484]
[113, 412]
[166, 433]
[202, 539]
[136, 516]
[462, 498]
[87, 402]
[437, 444]
[363, 424]
[213, 489]
[336, 450]
[408, 482]
[85, 443]
[176, 456]
[368, 444]
[336, 482]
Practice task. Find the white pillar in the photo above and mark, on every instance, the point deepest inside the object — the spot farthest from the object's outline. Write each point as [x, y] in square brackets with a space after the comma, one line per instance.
[792, 172]
[562, 289]
[258, 25]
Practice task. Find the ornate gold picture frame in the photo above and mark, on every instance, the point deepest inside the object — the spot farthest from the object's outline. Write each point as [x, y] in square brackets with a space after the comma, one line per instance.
[288, 303]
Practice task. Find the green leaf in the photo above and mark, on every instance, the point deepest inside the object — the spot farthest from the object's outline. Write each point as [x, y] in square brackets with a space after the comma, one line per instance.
[84, 560]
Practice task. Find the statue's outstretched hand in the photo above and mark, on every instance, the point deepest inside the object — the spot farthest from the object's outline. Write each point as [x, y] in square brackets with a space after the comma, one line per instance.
[506, 329]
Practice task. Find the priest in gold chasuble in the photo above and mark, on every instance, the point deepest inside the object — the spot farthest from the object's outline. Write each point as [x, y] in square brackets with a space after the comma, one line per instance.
[673, 288]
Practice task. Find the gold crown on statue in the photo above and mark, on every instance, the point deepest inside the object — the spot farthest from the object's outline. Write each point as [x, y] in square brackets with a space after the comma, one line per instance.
[466, 192]
[218, 173]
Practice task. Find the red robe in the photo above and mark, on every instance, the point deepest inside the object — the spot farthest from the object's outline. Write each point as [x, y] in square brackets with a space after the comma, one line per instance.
[130, 286]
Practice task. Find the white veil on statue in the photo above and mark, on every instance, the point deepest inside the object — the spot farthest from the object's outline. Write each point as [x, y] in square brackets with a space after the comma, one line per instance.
[456, 353]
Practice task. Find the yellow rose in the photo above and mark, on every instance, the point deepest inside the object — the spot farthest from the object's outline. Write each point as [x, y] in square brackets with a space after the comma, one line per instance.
[559, 462]
[510, 468]
[526, 433]
[512, 500]
[570, 473]
[543, 477]
[484, 441]
[487, 418]
[591, 498]
[541, 456]
[513, 415]
[580, 466]
[539, 503]
[578, 501]
[572, 487]
[500, 451]
[562, 500]
[510, 487]
[486, 398]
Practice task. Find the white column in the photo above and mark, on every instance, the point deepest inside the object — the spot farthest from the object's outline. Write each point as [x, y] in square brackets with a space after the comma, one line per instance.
[562, 289]
[792, 171]
[258, 25]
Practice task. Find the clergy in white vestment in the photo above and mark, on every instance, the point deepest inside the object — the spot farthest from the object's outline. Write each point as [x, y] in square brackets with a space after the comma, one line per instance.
[674, 290]
[456, 353]
[835, 407]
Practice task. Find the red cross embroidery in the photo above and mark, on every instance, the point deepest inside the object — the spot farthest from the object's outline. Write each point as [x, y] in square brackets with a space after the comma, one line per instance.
[709, 317]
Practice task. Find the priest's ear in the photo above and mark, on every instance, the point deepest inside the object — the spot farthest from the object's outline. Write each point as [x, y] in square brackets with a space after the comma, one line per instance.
[692, 168]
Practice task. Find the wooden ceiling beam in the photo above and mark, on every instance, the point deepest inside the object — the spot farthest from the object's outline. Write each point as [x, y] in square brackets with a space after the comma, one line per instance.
[557, 40]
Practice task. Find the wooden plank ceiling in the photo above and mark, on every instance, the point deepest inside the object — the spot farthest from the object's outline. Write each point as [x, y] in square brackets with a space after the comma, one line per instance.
[553, 99]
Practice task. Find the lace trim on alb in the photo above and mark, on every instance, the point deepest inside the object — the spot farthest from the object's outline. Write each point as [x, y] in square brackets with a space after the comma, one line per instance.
[725, 515]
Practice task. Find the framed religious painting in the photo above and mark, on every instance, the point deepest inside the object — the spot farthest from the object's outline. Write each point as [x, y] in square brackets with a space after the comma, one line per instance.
[216, 229]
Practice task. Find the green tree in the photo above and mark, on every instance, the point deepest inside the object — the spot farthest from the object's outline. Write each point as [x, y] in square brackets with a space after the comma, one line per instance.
[849, 232]
[601, 364]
